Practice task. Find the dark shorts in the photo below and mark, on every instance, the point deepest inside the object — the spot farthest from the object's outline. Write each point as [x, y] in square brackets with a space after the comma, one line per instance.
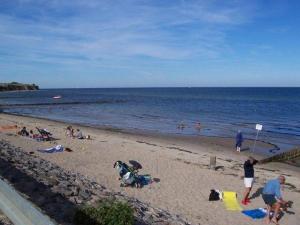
[269, 199]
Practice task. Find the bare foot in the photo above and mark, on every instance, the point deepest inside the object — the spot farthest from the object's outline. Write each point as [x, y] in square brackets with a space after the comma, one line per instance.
[268, 220]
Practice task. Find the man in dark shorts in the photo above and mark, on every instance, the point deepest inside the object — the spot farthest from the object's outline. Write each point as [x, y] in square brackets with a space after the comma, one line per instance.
[273, 198]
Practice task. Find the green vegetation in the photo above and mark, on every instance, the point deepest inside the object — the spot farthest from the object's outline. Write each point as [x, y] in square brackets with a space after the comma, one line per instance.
[106, 212]
[15, 86]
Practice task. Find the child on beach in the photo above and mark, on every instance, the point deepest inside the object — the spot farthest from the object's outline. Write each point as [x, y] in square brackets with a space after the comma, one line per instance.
[69, 131]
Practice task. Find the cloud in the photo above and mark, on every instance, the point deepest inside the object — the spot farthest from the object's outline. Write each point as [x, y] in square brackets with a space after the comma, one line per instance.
[63, 31]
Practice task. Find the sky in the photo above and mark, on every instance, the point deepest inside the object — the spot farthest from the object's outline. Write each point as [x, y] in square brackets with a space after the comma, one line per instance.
[150, 43]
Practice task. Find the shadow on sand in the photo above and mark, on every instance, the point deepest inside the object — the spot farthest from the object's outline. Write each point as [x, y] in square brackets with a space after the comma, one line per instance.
[53, 204]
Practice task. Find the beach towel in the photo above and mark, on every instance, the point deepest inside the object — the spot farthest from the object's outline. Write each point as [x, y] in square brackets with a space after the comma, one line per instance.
[255, 213]
[8, 127]
[230, 201]
[57, 148]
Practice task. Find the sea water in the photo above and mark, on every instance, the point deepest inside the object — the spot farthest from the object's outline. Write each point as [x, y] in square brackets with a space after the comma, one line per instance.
[220, 111]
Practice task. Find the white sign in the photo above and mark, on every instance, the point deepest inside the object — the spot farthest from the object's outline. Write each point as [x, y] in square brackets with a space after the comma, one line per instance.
[258, 127]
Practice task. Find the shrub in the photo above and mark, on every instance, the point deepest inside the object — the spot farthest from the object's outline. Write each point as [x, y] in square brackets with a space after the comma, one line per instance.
[107, 212]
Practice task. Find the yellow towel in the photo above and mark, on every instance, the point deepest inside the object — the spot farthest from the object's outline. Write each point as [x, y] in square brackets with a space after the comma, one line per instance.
[230, 201]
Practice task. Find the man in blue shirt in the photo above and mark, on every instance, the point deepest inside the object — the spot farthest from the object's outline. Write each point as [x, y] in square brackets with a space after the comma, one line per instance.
[273, 198]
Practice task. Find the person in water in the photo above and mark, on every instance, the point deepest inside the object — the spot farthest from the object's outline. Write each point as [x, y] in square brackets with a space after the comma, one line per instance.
[198, 126]
[239, 141]
[181, 125]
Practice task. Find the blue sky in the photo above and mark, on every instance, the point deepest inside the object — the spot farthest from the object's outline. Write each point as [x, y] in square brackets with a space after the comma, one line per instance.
[150, 43]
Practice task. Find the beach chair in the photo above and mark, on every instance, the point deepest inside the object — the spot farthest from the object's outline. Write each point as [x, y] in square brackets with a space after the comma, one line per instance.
[128, 175]
[45, 135]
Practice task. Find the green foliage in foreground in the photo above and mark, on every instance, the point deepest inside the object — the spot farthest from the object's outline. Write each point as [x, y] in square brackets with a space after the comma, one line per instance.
[105, 213]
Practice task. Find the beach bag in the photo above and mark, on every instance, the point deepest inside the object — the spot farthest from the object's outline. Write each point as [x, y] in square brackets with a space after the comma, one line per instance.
[214, 195]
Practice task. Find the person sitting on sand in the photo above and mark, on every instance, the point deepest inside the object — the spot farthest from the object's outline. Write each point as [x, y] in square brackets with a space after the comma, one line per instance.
[23, 132]
[273, 198]
[34, 136]
[239, 140]
[248, 178]
[79, 134]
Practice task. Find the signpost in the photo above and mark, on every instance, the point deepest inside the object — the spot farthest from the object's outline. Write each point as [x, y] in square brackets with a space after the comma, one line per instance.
[258, 128]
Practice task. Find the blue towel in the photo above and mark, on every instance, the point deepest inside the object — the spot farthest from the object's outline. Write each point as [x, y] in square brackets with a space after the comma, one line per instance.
[255, 213]
[58, 148]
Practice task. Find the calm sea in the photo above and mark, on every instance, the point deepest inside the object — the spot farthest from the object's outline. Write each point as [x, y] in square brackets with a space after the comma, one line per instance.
[221, 111]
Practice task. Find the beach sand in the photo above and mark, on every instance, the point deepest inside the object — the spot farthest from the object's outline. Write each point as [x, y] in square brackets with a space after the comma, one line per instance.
[180, 164]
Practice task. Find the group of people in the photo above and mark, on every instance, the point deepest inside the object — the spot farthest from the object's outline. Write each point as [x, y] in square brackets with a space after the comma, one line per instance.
[271, 193]
[42, 135]
[182, 125]
[71, 132]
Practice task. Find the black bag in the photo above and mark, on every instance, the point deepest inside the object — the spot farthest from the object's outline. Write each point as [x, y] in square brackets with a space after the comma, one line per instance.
[214, 196]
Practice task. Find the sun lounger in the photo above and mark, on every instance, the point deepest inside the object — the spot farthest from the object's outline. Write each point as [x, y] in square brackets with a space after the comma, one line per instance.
[45, 135]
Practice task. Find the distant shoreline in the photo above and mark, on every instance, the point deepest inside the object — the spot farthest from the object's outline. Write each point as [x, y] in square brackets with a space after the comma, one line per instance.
[15, 86]
[225, 142]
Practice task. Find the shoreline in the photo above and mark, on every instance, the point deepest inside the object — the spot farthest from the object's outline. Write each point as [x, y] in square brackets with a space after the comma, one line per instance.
[222, 141]
[226, 143]
[181, 165]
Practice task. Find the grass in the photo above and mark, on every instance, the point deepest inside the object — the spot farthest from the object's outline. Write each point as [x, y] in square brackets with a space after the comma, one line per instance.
[107, 212]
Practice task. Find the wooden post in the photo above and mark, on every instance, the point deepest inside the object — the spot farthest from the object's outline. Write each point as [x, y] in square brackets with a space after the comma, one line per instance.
[212, 162]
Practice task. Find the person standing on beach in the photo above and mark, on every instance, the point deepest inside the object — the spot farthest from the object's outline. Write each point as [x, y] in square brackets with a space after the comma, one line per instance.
[273, 198]
[248, 178]
[239, 140]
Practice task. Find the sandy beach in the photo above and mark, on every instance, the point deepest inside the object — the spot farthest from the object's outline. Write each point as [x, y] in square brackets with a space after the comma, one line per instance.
[180, 164]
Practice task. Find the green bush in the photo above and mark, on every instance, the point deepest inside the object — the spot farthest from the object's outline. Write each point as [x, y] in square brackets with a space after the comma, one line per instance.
[105, 213]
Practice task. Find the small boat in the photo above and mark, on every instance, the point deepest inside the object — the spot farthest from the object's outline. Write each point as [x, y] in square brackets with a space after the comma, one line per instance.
[57, 97]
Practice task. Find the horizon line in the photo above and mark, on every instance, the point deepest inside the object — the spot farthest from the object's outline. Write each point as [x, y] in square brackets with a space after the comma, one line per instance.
[171, 87]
